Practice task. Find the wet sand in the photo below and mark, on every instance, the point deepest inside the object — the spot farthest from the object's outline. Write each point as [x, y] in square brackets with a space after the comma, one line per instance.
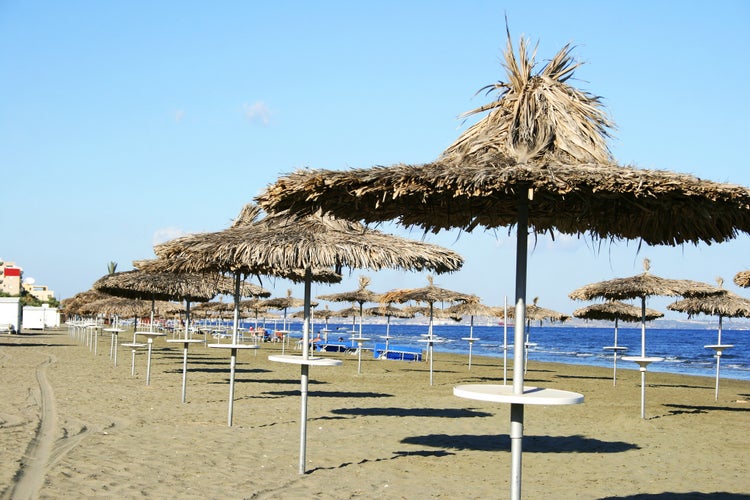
[72, 425]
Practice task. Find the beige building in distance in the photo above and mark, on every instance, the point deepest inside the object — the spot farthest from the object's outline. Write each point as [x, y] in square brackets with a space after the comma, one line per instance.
[11, 283]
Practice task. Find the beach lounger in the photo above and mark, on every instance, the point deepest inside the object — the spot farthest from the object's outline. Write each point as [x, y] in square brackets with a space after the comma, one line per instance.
[398, 352]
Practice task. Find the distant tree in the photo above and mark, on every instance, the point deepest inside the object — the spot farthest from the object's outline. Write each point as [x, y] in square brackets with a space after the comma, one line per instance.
[111, 267]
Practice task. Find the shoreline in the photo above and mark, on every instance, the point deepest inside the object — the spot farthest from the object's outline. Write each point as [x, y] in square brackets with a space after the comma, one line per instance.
[385, 433]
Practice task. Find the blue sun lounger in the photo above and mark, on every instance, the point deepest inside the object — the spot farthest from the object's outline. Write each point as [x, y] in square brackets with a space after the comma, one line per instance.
[399, 352]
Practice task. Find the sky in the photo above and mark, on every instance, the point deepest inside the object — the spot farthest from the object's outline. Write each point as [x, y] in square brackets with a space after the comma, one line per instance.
[126, 124]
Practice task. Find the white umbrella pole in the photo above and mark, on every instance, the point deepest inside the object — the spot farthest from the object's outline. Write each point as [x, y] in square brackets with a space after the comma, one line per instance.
[429, 343]
[643, 355]
[505, 342]
[305, 375]
[185, 350]
[614, 357]
[233, 359]
[471, 335]
[718, 361]
[516, 410]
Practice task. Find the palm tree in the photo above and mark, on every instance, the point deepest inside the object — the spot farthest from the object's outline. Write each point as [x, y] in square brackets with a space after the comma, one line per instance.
[111, 267]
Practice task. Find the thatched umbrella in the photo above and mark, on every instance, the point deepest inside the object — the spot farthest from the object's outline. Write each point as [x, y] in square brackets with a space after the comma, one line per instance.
[284, 303]
[389, 311]
[642, 286]
[281, 245]
[538, 160]
[534, 312]
[471, 309]
[361, 295]
[428, 294]
[726, 305]
[614, 310]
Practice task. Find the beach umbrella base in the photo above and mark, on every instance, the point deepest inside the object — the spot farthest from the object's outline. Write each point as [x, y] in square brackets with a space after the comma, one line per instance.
[305, 364]
[643, 362]
[232, 363]
[616, 351]
[133, 346]
[185, 343]
[506, 395]
[719, 349]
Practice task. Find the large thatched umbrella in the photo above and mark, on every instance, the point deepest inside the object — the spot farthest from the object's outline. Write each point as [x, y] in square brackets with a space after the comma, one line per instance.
[538, 160]
[614, 310]
[726, 305]
[428, 294]
[471, 309]
[281, 245]
[641, 287]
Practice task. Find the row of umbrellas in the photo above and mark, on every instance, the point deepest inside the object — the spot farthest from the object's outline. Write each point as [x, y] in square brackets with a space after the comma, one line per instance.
[538, 160]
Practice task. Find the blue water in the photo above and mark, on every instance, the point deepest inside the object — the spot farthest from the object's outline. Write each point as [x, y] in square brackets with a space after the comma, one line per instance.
[682, 349]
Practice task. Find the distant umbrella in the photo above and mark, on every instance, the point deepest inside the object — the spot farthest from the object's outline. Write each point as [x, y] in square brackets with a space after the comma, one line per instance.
[613, 310]
[642, 286]
[389, 311]
[727, 305]
[536, 313]
[361, 296]
[471, 309]
[429, 294]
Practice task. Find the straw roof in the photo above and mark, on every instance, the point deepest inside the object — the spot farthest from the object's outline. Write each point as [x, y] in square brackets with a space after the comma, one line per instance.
[473, 309]
[170, 286]
[536, 313]
[742, 279]
[615, 310]
[429, 294]
[360, 295]
[389, 310]
[728, 305]
[643, 285]
[543, 142]
[282, 245]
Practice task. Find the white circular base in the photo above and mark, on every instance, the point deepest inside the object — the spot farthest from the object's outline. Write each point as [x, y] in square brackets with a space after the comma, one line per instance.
[299, 360]
[184, 341]
[234, 346]
[504, 394]
[643, 362]
[615, 348]
[133, 345]
[470, 339]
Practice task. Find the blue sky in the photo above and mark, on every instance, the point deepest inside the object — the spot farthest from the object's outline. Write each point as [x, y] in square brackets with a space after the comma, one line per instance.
[123, 124]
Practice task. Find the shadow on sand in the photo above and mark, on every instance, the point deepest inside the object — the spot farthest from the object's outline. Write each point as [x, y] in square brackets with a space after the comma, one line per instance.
[531, 444]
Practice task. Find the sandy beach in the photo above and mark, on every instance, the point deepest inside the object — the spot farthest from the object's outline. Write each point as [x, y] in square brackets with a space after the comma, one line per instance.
[75, 426]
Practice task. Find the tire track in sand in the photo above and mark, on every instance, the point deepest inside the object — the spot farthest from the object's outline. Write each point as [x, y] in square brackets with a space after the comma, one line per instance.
[31, 475]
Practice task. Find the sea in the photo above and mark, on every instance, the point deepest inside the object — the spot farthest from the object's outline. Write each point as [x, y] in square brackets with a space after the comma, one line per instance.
[682, 349]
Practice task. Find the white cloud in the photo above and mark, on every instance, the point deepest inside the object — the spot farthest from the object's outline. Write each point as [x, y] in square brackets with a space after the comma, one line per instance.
[167, 233]
[257, 112]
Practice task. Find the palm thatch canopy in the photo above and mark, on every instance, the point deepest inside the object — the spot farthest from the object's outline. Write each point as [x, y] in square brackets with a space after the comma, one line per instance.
[473, 309]
[72, 305]
[727, 305]
[541, 136]
[390, 311]
[284, 302]
[742, 279]
[428, 294]
[131, 308]
[282, 245]
[536, 313]
[360, 295]
[615, 310]
[171, 286]
[643, 285]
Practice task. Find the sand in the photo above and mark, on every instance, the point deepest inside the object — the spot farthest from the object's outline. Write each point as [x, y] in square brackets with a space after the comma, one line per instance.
[72, 426]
